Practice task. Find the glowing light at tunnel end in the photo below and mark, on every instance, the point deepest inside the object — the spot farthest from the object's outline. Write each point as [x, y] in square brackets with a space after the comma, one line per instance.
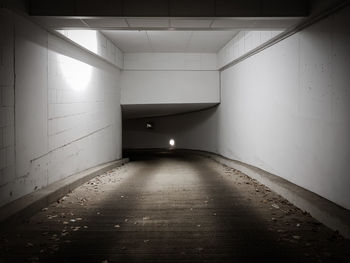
[172, 142]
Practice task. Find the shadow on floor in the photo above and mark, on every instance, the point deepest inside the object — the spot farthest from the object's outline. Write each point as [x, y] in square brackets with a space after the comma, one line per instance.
[175, 208]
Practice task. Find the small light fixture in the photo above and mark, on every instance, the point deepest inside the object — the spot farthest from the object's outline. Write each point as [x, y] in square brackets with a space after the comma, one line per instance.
[149, 125]
[172, 142]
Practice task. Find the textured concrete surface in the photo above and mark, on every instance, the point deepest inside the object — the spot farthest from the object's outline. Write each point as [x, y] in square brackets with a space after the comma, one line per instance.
[65, 114]
[172, 208]
[325, 211]
[28, 205]
[277, 109]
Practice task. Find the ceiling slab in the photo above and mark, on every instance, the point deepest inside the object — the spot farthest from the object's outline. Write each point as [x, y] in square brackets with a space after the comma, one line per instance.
[148, 22]
[129, 41]
[281, 23]
[209, 41]
[154, 23]
[58, 23]
[191, 23]
[255, 23]
[170, 8]
[155, 8]
[170, 41]
[109, 22]
[232, 23]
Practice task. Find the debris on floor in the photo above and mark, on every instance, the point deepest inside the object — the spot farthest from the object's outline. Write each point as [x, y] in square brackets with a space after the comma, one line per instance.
[133, 210]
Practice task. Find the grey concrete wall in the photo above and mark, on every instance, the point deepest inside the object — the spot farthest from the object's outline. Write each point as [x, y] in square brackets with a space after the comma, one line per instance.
[197, 130]
[62, 110]
[97, 43]
[242, 43]
[286, 109]
[7, 126]
[162, 86]
[151, 78]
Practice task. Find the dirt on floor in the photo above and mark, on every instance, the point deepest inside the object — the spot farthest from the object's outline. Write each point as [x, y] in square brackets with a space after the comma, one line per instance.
[44, 234]
[292, 225]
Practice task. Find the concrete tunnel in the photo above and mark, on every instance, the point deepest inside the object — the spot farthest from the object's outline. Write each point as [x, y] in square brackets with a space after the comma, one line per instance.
[174, 131]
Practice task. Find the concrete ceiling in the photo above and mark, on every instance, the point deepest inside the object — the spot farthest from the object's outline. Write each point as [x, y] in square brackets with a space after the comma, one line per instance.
[170, 41]
[169, 8]
[133, 111]
[155, 23]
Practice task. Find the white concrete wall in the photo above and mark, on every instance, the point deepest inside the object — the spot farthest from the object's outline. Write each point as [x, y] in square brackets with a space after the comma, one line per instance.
[151, 87]
[170, 61]
[67, 111]
[197, 130]
[287, 109]
[170, 78]
[242, 43]
[7, 110]
[97, 43]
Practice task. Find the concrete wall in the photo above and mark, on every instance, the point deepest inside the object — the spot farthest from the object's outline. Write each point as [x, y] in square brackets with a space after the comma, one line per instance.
[62, 109]
[170, 78]
[170, 61]
[7, 109]
[97, 43]
[242, 43]
[151, 87]
[197, 130]
[286, 109]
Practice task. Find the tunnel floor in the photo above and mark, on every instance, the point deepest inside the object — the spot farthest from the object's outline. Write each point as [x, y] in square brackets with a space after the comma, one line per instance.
[172, 208]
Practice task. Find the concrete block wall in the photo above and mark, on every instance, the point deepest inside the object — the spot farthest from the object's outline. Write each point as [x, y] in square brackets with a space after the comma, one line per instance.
[242, 43]
[170, 61]
[97, 43]
[83, 109]
[286, 109]
[151, 78]
[7, 144]
[62, 109]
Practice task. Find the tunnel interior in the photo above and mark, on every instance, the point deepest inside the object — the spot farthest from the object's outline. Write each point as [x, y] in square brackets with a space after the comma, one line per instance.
[195, 131]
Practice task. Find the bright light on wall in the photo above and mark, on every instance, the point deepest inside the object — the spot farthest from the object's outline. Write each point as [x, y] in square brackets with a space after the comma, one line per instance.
[85, 38]
[77, 74]
[172, 142]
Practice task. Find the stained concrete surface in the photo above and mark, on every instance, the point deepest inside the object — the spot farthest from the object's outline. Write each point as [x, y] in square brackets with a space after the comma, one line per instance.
[172, 208]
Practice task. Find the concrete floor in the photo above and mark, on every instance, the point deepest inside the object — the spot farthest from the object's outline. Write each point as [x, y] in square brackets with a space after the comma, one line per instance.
[172, 208]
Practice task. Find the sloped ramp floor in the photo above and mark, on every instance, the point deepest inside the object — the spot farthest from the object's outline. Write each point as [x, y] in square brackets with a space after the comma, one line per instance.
[168, 207]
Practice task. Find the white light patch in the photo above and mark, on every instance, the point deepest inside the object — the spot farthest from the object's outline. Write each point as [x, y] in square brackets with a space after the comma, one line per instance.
[85, 38]
[172, 142]
[77, 74]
